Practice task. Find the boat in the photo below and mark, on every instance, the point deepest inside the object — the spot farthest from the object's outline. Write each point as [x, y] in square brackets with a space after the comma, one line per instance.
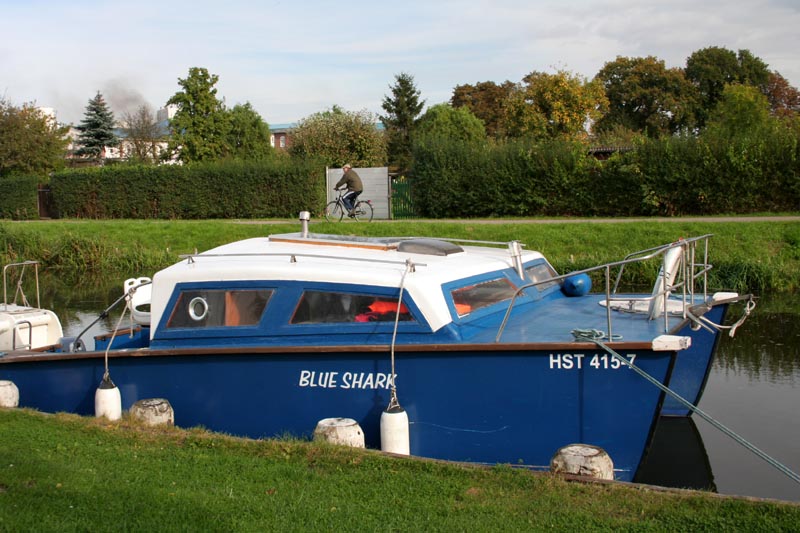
[491, 355]
[23, 325]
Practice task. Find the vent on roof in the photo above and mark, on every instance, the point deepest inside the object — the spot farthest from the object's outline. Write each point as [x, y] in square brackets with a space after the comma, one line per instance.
[428, 247]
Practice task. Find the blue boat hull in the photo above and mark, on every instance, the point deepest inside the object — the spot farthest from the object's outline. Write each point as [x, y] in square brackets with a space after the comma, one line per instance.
[693, 366]
[485, 404]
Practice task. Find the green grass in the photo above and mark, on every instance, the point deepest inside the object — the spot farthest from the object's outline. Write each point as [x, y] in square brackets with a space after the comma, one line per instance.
[760, 256]
[67, 473]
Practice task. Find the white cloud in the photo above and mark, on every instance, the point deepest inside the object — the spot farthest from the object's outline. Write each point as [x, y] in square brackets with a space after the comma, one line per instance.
[291, 59]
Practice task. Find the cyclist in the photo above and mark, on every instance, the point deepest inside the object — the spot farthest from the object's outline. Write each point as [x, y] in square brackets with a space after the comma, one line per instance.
[354, 187]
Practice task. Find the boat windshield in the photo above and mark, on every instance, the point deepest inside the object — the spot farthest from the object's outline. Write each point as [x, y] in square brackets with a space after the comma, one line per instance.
[540, 272]
[483, 294]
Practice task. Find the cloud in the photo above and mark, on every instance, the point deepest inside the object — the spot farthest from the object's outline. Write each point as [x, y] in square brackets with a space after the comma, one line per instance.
[291, 59]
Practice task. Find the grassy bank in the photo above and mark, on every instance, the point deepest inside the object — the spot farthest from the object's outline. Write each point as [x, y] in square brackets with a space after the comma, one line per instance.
[760, 256]
[66, 473]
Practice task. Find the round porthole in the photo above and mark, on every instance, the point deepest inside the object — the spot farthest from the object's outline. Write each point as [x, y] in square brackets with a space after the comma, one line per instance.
[198, 308]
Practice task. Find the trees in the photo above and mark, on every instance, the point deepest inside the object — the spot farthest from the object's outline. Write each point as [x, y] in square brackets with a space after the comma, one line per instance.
[200, 127]
[645, 96]
[249, 135]
[143, 134]
[549, 106]
[712, 68]
[784, 99]
[402, 110]
[96, 130]
[30, 141]
[486, 100]
[742, 111]
[443, 120]
[338, 137]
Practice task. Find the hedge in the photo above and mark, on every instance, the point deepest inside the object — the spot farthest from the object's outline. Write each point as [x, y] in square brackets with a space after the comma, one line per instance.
[19, 197]
[667, 177]
[233, 189]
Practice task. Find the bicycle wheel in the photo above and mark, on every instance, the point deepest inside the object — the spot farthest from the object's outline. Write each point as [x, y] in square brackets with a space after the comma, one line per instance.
[334, 211]
[363, 211]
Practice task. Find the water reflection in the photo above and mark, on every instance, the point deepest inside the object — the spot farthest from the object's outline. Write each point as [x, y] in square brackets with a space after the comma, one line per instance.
[677, 457]
[767, 349]
[79, 303]
[753, 390]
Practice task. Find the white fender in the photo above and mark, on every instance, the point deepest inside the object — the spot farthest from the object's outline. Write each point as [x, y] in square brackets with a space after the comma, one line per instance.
[107, 400]
[664, 280]
[139, 304]
[394, 431]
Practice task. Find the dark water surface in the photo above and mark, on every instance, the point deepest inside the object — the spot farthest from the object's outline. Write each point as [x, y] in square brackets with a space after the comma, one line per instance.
[754, 389]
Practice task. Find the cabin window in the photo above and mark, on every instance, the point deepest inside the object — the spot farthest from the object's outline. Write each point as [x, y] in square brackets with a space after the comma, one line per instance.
[541, 272]
[317, 307]
[219, 308]
[468, 299]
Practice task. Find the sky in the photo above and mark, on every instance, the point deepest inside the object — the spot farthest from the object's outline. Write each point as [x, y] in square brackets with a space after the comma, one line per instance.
[292, 58]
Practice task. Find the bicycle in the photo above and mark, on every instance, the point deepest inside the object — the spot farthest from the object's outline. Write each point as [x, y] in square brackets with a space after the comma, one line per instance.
[335, 210]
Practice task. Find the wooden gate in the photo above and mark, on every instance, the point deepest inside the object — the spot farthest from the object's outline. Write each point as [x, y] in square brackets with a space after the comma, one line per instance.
[46, 206]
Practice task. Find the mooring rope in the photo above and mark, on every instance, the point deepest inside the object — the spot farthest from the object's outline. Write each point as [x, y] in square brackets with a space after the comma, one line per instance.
[393, 393]
[19, 290]
[114, 333]
[596, 337]
[748, 308]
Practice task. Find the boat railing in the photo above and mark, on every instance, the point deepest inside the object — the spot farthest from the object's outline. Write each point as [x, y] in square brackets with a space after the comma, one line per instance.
[18, 331]
[19, 291]
[292, 257]
[690, 277]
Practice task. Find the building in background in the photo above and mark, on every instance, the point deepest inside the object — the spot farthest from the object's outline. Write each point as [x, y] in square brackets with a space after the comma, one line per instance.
[280, 135]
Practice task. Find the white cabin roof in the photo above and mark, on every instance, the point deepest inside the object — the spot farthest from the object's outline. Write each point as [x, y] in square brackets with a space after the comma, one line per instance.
[333, 259]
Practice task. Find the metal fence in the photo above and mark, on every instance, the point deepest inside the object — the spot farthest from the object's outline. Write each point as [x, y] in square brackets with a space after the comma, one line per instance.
[402, 205]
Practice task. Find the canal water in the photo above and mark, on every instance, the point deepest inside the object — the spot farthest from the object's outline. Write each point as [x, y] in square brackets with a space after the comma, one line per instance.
[753, 389]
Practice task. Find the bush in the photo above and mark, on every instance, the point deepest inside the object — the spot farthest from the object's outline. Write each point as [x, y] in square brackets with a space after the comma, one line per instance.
[672, 176]
[453, 179]
[19, 198]
[231, 189]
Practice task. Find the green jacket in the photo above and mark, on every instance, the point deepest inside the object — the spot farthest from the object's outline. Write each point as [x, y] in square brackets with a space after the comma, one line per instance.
[352, 180]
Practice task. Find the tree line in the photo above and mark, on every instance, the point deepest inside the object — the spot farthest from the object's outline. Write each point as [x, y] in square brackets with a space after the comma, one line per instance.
[719, 96]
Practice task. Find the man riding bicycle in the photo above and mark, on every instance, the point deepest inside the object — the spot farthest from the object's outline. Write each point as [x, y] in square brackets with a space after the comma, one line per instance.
[354, 187]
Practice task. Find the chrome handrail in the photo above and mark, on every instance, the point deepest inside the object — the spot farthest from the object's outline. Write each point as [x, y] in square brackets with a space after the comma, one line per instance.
[293, 257]
[23, 264]
[688, 271]
[16, 330]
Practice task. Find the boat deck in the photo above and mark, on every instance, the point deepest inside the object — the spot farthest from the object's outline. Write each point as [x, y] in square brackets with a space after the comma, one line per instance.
[556, 321]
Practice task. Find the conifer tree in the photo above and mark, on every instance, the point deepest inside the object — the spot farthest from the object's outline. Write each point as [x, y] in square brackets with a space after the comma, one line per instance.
[402, 110]
[96, 129]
